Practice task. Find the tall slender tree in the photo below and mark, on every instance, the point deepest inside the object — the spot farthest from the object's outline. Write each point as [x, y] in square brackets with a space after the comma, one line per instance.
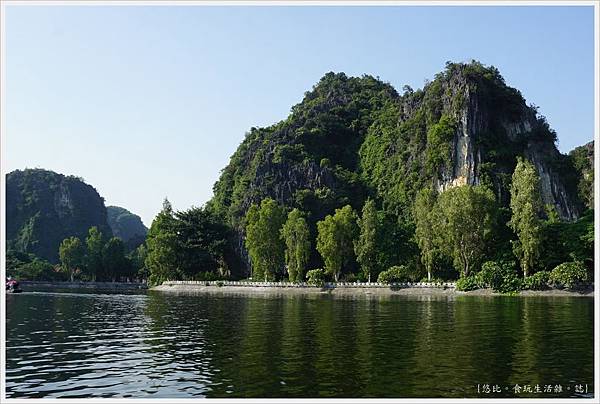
[114, 261]
[426, 229]
[161, 257]
[366, 245]
[263, 239]
[335, 240]
[526, 205]
[296, 236]
[71, 253]
[94, 245]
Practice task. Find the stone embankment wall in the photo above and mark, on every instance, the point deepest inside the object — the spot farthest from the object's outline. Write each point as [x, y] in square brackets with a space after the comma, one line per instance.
[85, 285]
[331, 285]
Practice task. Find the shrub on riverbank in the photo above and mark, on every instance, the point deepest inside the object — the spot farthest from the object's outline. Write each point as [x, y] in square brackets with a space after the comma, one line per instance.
[395, 274]
[537, 281]
[500, 276]
[316, 277]
[569, 275]
[467, 283]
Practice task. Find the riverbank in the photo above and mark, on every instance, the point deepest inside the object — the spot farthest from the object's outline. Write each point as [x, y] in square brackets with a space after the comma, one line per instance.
[84, 285]
[348, 289]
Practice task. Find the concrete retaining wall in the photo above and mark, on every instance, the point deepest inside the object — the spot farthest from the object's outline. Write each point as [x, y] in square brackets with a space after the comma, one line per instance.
[330, 285]
[85, 285]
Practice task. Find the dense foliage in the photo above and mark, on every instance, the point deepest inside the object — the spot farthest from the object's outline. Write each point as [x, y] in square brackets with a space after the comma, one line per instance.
[396, 274]
[465, 221]
[538, 281]
[366, 245]
[24, 266]
[367, 183]
[564, 242]
[94, 259]
[316, 277]
[500, 276]
[582, 158]
[426, 231]
[526, 206]
[71, 253]
[569, 275]
[263, 239]
[431, 173]
[467, 283]
[43, 208]
[189, 245]
[296, 235]
[335, 241]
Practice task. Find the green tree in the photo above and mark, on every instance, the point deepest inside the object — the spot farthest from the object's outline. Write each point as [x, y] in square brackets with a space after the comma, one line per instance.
[137, 258]
[335, 239]
[161, 258]
[263, 239]
[526, 205]
[71, 253]
[94, 245]
[426, 230]
[296, 236]
[366, 245]
[201, 244]
[114, 261]
[465, 219]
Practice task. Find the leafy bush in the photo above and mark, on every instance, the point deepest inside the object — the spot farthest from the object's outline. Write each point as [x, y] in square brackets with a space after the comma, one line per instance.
[465, 284]
[500, 276]
[569, 275]
[25, 266]
[395, 274]
[537, 281]
[316, 277]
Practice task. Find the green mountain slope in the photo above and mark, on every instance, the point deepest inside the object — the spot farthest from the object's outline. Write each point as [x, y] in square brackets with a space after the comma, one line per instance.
[355, 137]
[44, 207]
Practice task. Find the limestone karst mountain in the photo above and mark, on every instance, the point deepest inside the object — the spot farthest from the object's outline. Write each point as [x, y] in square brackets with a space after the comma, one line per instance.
[355, 137]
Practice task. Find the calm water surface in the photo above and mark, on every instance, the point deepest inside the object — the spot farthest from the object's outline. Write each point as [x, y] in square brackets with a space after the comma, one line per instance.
[164, 345]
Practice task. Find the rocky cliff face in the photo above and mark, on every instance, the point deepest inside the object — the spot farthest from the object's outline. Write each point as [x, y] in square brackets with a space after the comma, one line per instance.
[43, 208]
[486, 109]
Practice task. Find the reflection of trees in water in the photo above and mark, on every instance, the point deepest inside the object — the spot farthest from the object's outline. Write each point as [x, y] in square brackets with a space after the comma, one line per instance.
[255, 373]
[553, 345]
[394, 335]
[310, 346]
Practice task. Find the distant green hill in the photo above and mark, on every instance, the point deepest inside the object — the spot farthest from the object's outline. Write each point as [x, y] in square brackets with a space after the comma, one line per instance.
[44, 207]
[126, 225]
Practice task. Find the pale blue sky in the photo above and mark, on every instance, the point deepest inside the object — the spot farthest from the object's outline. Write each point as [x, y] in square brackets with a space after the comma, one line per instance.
[148, 102]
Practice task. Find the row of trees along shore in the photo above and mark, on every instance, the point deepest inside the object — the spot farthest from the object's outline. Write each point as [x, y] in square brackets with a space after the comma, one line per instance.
[96, 258]
[462, 228]
[460, 234]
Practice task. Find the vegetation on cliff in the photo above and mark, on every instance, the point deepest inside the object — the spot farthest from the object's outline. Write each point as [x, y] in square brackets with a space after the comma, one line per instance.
[43, 208]
[127, 226]
[458, 180]
[582, 158]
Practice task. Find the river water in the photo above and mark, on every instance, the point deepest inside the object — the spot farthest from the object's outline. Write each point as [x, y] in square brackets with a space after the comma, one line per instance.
[68, 345]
